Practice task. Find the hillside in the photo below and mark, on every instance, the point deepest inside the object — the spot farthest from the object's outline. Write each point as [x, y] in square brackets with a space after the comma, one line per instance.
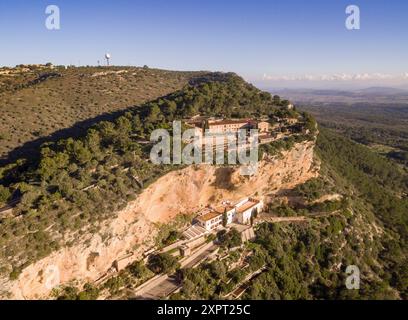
[74, 185]
[377, 119]
[307, 259]
[85, 201]
[40, 103]
[134, 228]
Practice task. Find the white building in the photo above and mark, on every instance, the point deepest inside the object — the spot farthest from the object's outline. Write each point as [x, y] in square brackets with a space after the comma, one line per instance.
[212, 218]
[210, 221]
[246, 209]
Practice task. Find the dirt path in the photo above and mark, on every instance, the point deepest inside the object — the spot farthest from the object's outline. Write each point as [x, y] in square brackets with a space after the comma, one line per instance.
[285, 219]
[265, 218]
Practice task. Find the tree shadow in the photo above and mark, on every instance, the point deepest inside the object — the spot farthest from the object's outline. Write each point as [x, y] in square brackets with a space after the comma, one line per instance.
[31, 149]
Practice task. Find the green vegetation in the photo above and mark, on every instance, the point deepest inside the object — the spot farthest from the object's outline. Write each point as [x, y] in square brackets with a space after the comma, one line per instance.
[378, 182]
[276, 147]
[308, 261]
[74, 184]
[168, 233]
[216, 279]
[225, 218]
[35, 104]
[172, 238]
[381, 188]
[381, 126]
[68, 293]
[286, 211]
[163, 263]
[129, 278]
[306, 130]
[302, 265]
[5, 194]
[138, 270]
[89, 293]
[314, 189]
[231, 239]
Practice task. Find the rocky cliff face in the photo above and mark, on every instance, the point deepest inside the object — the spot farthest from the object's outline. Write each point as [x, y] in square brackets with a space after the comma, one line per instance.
[187, 190]
[133, 230]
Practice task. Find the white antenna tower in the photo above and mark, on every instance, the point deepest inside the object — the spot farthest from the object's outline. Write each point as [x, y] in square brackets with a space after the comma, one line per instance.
[108, 57]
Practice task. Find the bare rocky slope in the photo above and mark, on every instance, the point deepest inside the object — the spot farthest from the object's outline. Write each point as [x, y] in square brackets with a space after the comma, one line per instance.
[134, 229]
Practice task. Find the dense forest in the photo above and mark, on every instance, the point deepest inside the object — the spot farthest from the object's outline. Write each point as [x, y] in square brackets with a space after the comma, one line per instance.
[381, 126]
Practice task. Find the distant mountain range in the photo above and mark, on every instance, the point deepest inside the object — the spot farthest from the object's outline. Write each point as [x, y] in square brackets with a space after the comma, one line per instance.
[383, 90]
[325, 96]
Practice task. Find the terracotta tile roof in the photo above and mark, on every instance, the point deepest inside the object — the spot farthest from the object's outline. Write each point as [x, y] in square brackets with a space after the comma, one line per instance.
[246, 206]
[226, 122]
[221, 209]
[209, 216]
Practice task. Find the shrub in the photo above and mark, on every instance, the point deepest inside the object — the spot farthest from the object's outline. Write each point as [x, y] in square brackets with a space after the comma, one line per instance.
[5, 194]
[163, 263]
[231, 239]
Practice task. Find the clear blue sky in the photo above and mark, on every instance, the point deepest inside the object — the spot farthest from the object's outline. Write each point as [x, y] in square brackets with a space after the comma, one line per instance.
[249, 37]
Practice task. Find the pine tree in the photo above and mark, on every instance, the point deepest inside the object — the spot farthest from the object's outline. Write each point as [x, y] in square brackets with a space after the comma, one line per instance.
[225, 218]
